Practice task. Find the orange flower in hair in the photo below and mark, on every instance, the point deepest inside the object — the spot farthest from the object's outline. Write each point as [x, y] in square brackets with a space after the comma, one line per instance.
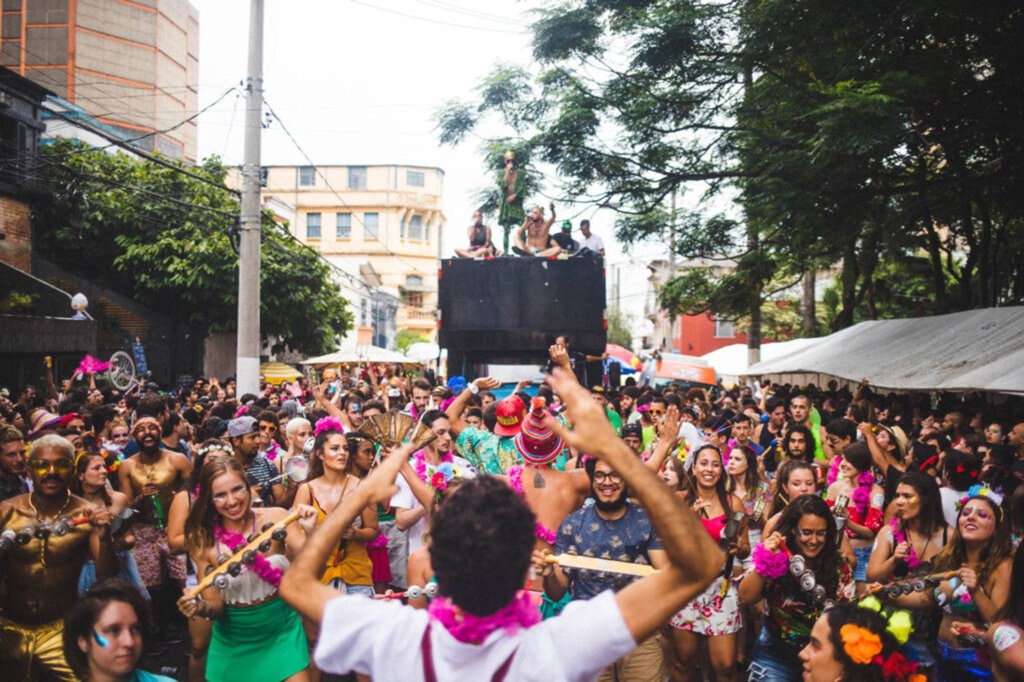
[860, 644]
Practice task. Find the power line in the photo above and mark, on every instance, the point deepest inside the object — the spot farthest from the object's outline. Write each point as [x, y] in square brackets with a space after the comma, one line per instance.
[340, 198]
[435, 21]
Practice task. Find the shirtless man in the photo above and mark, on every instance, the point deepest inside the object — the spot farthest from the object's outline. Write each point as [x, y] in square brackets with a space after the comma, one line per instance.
[533, 237]
[150, 479]
[42, 575]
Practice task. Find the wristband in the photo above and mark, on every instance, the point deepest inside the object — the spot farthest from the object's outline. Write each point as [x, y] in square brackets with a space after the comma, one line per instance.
[473, 388]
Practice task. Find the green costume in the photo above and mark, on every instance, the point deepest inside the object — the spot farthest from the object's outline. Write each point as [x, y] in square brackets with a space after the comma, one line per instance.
[511, 213]
[264, 643]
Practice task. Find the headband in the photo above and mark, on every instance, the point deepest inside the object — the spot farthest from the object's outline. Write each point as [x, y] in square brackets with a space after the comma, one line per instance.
[142, 420]
[980, 490]
[328, 424]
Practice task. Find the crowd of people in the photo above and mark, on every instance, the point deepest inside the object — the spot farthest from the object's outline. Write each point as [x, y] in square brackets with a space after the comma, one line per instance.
[766, 532]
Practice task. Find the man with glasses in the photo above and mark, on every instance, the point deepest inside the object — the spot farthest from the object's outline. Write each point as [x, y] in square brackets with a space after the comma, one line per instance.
[617, 528]
[41, 576]
[268, 426]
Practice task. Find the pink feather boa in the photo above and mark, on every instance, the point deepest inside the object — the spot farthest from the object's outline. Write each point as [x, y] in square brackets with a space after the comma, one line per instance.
[861, 496]
[769, 564]
[471, 629]
[266, 571]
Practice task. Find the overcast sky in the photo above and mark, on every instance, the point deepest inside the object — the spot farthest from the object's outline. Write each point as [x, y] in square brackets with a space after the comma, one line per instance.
[358, 82]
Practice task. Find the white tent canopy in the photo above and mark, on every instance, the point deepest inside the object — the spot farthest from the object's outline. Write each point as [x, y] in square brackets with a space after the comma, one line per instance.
[976, 350]
[357, 355]
[731, 361]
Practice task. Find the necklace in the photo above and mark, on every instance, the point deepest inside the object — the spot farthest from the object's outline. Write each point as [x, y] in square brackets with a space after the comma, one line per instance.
[424, 470]
[42, 543]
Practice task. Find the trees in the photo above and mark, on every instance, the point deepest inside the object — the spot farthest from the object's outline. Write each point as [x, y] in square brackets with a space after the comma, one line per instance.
[862, 133]
[169, 240]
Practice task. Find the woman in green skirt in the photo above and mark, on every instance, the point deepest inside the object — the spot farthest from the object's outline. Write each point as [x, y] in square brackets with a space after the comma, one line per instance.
[256, 636]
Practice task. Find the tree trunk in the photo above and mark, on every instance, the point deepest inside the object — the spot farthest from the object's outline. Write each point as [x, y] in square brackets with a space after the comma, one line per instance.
[807, 312]
[849, 277]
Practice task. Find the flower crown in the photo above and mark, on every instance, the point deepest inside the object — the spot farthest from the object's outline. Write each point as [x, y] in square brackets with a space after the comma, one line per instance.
[201, 452]
[328, 424]
[982, 490]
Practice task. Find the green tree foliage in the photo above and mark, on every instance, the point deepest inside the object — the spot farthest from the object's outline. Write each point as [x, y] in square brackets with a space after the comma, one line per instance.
[407, 337]
[117, 221]
[870, 134]
[620, 327]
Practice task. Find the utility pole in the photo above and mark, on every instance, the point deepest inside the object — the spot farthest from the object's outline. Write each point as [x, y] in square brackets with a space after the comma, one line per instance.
[248, 358]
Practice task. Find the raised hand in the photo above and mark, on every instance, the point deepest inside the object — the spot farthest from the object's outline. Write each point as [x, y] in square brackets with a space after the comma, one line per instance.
[486, 383]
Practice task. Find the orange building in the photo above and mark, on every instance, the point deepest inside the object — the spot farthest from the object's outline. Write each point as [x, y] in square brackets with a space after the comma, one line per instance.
[131, 64]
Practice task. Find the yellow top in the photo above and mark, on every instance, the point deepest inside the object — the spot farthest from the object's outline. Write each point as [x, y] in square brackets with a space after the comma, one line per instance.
[350, 562]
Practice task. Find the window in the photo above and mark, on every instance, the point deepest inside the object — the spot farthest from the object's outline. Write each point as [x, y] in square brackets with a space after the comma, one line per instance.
[401, 228]
[723, 329]
[371, 223]
[416, 227]
[415, 178]
[413, 281]
[362, 317]
[357, 177]
[312, 226]
[344, 225]
[307, 176]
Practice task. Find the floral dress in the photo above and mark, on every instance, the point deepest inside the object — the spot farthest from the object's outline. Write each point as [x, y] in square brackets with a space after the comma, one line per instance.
[710, 613]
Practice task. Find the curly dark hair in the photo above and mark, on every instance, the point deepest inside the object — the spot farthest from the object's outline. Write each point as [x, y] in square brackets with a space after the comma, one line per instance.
[851, 614]
[826, 564]
[81, 620]
[481, 540]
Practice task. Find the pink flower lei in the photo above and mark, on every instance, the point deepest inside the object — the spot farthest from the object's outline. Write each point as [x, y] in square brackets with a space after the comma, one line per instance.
[471, 629]
[265, 570]
[861, 496]
[897, 537]
[419, 464]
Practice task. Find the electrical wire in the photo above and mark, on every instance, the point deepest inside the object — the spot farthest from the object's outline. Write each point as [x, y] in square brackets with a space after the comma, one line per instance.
[335, 192]
[435, 21]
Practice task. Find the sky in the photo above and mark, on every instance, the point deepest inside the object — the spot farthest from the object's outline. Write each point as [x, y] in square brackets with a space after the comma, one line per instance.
[359, 82]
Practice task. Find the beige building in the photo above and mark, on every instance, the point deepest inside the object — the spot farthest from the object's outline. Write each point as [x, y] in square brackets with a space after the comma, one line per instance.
[389, 218]
[130, 64]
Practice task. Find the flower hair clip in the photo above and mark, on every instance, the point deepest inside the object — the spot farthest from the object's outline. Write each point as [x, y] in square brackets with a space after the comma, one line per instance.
[442, 476]
[860, 644]
[327, 424]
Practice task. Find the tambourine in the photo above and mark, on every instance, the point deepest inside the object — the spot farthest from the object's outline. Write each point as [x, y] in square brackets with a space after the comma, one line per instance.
[119, 525]
[919, 583]
[230, 565]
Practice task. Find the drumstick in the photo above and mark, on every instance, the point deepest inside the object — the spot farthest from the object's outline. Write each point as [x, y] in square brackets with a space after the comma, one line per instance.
[595, 564]
[222, 568]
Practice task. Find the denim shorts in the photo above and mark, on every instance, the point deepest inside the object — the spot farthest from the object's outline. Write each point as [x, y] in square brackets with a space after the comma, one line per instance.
[358, 590]
[863, 555]
[774, 661]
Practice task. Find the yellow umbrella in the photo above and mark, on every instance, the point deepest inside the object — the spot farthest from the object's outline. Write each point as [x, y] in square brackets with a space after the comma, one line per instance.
[278, 372]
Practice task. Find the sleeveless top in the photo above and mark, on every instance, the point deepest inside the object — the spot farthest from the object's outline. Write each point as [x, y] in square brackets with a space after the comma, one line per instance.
[714, 527]
[479, 236]
[247, 587]
[349, 563]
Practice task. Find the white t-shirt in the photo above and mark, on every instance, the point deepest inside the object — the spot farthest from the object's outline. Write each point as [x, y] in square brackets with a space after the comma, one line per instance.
[593, 242]
[382, 639]
[404, 499]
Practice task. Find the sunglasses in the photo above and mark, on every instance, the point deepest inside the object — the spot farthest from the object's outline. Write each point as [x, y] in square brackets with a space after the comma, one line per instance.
[653, 411]
[41, 466]
[268, 427]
